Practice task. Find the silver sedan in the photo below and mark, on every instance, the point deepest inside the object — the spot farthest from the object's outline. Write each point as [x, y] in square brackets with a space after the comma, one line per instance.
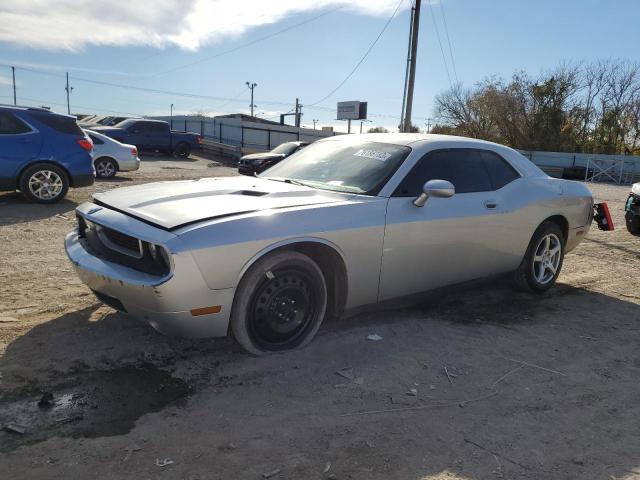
[351, 220]
[110, 156]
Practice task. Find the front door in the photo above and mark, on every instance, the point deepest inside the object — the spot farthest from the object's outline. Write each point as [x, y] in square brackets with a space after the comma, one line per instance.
[448, 240]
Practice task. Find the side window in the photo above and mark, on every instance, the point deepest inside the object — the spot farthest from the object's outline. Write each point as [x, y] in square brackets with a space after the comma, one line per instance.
[500, 172]
[462, 167]
[11, 125]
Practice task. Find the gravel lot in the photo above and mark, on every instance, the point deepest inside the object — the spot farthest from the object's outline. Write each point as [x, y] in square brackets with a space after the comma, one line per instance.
[476, 382]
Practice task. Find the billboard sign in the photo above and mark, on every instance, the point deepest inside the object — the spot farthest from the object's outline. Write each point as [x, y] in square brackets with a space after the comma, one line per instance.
[353, 110]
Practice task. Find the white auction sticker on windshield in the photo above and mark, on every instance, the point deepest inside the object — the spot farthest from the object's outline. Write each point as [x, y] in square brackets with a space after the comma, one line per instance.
[373, 154]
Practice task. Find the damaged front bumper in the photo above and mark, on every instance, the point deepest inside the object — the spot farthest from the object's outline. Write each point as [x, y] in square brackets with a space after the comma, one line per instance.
[172, 304]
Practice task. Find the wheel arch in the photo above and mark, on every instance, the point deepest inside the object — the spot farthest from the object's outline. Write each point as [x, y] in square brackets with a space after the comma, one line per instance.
[561, 221]
[329, 258]
[47, 162]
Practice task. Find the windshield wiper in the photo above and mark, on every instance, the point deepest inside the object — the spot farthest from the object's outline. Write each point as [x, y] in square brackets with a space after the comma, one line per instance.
[288, 180]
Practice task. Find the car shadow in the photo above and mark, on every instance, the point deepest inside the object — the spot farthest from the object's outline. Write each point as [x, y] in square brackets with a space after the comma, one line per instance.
[114, 179]
[15, 208]
[157, 157]
[615, 246]
[540, 378]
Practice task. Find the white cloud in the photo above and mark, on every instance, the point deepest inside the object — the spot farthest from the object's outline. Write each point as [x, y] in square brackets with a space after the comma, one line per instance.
[5, 81]
[189, 24]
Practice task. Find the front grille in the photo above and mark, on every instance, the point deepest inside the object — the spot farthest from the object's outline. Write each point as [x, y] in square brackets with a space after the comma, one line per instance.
[117, 247]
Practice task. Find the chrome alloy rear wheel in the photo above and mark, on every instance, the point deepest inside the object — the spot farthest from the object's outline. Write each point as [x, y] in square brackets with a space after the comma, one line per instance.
[105, 168]
[546, 259]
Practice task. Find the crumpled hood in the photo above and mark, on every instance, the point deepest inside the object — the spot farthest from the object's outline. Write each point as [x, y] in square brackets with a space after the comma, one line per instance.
[177, 203]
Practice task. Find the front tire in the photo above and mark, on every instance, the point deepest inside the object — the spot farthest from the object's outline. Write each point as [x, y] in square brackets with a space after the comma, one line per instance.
[182, 150]
[542, 262]
[44, 183]
[279, 304]
[105, 167]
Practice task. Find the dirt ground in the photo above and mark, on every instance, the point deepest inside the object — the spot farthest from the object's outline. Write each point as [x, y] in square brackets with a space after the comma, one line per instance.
[477, 382]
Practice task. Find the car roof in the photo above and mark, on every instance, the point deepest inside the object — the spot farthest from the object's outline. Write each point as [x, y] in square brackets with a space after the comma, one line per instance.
[411, 139]
[419, 141]
[21, 108]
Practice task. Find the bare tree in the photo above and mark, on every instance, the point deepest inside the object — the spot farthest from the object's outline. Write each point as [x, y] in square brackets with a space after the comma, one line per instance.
[573, 107]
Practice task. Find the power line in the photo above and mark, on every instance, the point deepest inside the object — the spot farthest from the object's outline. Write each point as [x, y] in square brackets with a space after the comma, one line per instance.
[444, 58]
[248, 44]
[446, 31]
[135, 88]
[314, 106]
[59, 104]
[384, 28]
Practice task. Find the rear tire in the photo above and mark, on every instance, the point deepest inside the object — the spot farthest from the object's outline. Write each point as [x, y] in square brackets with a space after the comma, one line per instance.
[182, 150]
[105, 167]
[279, 304]
[542, 262]
[44, 183]
[633, 223]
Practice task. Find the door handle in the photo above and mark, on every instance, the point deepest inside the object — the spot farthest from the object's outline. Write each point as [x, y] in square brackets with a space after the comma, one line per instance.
[490, 204]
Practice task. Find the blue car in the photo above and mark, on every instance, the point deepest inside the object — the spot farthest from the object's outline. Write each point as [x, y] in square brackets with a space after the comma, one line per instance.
[43, 153]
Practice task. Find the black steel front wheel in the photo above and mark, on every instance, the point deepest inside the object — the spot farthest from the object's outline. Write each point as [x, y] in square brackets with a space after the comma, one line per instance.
[280, 303]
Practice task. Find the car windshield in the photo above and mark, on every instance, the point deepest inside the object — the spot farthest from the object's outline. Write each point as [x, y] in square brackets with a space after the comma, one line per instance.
[285, 148]
[361, 167]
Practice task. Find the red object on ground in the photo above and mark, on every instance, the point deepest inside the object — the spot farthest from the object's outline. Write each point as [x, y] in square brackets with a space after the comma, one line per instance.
[603, 217]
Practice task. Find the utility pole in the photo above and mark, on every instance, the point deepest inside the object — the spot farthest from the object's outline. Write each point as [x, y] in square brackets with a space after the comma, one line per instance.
[13, 72]
[251, 87]
[68, 90]
[171, 117]
[314, 123]
[411, 66]
[428, 124]
[349, 125]
[298, 112]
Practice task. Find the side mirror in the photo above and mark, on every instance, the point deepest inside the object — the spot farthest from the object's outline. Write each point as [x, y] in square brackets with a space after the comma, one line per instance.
[434, 188]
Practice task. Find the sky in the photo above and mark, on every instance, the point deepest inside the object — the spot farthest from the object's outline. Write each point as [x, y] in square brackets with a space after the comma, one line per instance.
[198, 54]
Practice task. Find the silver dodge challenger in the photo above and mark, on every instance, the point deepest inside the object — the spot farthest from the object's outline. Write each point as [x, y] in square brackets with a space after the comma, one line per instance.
[349, 221]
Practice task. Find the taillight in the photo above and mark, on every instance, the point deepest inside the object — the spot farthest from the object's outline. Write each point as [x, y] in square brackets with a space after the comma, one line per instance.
[134, 151]
[85, 143]
[199, 138]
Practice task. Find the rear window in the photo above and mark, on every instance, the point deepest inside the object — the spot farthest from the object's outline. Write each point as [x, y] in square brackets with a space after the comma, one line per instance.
[11, 125]
[95, 139]
[59, 123]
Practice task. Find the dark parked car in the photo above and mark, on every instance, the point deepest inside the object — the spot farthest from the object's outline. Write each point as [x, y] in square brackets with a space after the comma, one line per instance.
[43, 153]
[632, 210]
[152, 136]
[259, 162]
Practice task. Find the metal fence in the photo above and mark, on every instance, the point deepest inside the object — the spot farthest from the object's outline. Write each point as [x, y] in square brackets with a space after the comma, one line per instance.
[244, 136]
[620, 169]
